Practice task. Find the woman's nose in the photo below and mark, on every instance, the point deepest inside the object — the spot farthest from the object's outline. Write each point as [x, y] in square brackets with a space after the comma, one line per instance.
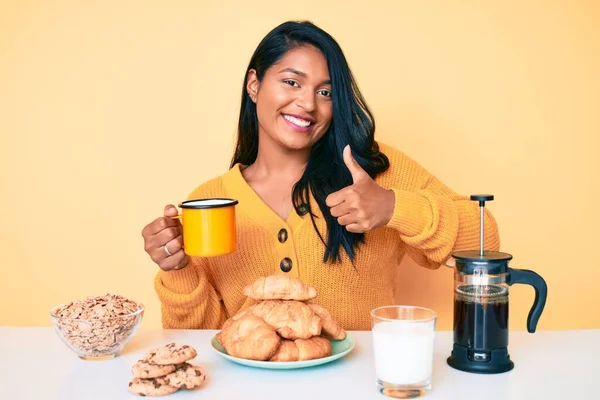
[306, 100]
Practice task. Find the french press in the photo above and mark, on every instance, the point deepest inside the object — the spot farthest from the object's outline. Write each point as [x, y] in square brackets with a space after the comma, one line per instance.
[481, 281]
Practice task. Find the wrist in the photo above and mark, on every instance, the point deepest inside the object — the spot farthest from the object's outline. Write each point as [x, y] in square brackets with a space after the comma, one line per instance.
[411, 211]
[389, 204]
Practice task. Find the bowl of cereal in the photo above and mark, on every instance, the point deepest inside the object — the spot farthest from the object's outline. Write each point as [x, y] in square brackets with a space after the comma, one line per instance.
[99, 327]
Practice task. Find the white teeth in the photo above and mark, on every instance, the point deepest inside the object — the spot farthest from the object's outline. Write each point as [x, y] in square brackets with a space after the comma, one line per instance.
[297, 121]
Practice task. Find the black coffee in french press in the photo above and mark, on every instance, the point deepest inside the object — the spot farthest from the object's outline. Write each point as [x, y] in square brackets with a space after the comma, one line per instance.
[481, 282]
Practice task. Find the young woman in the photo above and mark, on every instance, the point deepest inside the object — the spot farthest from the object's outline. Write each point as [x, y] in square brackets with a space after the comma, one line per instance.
[319, 198]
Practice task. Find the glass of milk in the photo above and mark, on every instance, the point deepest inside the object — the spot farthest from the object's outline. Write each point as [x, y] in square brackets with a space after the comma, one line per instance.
[403, 338]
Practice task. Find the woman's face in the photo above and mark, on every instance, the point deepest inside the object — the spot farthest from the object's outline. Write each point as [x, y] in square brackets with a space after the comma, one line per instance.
[293, 101]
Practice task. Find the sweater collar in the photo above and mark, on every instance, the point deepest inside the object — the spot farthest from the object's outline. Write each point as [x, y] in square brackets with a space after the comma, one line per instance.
[255, 208]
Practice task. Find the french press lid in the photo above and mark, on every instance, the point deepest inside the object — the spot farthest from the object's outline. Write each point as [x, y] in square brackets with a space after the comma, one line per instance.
[470, 261]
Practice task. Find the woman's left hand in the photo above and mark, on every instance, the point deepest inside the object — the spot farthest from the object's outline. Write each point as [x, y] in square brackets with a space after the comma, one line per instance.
[364, 205]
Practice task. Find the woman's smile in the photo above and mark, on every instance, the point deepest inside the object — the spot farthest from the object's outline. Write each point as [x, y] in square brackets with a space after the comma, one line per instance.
[299, 124]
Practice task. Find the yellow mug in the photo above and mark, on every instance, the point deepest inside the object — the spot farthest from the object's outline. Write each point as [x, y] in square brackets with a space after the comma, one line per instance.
[208, 226]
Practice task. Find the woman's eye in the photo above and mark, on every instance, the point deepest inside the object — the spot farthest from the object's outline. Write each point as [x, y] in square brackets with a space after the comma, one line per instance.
[292, 83]
[325, 92]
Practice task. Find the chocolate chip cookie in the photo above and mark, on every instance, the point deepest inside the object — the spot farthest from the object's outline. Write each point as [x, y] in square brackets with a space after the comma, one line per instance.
[144, 369]
[151, 387]
[171, 353]
[186, 376]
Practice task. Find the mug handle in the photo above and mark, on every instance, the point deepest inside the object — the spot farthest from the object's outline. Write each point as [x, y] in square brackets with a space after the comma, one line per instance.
[541, 290]
[178, 216]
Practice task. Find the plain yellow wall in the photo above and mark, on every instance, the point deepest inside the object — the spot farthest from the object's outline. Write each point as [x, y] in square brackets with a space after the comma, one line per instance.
[109, 112]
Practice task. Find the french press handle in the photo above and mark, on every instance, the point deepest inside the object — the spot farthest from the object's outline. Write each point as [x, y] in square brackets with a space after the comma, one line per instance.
[527, 277]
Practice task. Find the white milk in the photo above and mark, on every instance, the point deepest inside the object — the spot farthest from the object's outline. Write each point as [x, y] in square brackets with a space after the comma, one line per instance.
[403, 352]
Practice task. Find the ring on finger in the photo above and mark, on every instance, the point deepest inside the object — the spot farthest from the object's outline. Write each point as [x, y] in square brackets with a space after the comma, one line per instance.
[167, 251]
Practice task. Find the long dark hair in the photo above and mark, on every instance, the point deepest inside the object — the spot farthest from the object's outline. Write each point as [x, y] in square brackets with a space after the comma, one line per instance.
[352, 124]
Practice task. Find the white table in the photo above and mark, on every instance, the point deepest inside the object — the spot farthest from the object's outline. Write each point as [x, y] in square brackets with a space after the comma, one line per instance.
[35, 364]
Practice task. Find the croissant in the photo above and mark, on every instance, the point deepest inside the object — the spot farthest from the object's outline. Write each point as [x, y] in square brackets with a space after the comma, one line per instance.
[220, 335]
[315, 347]
[331, 328]
[302, 349]
[243, 312]
[291, 319]
[281, 287]
[263, 308]
[287, 351]
[250, 338]
[230, 320]
[237, 316]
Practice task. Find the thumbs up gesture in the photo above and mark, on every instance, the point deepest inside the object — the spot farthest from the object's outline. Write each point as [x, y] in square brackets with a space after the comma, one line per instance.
[364, 205]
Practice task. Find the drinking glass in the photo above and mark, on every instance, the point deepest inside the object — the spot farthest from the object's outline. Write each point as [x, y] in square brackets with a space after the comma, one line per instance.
[403, 341]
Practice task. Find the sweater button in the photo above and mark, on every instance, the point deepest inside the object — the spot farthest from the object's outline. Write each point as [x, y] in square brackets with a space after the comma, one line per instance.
[302, 209]
[286, 265]
[282, 236]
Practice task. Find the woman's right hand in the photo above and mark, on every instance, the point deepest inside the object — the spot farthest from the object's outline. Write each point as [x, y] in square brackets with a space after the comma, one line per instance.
[164, 236]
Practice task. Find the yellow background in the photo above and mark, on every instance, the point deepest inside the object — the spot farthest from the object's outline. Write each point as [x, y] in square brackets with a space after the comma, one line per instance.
[110, 111]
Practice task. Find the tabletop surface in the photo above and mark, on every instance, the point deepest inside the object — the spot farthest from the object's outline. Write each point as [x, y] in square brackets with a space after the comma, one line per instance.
[548, 365]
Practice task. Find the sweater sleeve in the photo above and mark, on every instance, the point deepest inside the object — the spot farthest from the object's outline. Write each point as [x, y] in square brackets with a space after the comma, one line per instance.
[188, 299]
[433, 221]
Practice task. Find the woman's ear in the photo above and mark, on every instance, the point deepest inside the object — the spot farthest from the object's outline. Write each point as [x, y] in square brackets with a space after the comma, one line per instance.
[252, 85]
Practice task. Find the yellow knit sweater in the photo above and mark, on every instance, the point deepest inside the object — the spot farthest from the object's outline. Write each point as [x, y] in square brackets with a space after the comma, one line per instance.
[430, 221]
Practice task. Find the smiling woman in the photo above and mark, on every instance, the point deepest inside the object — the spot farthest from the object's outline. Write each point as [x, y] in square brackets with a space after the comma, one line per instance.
[319, 198]
[293, 70]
